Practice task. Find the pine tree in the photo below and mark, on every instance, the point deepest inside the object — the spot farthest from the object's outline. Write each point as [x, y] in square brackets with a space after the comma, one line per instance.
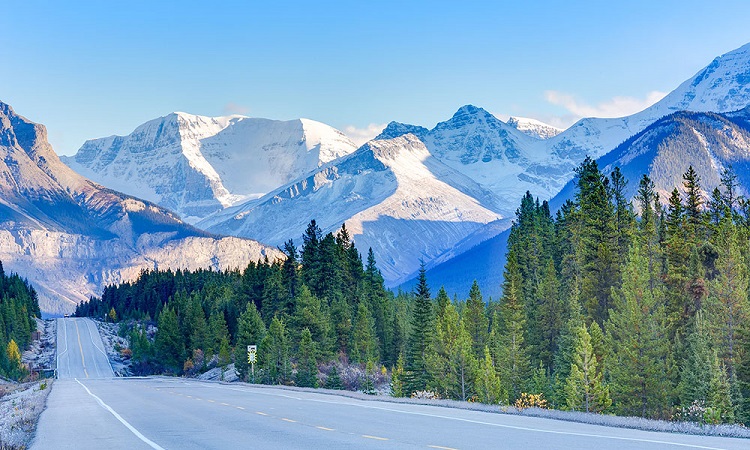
[169, 344]
[442, 301]
[585, 388]
[727, 306]
[719, 392]
[364, 342]
[307, 368]
[311, 313]
[511, 354]
[274, 354]
[397, 378]
[450, 359]
[598, 250]
[696, 370]
[416, 376]
[550, 315]
[637, 343]
[489, 388]
[250, 331]
[334, 379]
[476, 321]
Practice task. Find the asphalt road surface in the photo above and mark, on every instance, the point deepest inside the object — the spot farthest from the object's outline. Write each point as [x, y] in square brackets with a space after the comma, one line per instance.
[87, 408]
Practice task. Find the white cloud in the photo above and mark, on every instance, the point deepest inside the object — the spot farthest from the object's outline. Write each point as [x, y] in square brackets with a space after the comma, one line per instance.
[361, 135]
[234, 108]
[619, 106]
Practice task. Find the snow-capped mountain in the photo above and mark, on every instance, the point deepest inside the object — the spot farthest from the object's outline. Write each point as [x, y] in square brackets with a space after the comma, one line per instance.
[197, 165]
[710, 142]
[722, 86]
[499, 157]
[534, 128]
[71, 237]
[393, 194]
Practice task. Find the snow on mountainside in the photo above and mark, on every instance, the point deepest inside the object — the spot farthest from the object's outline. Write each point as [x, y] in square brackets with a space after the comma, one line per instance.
[710, 142]
[393, 195]
[197, 165]
[71, 237]
[534, 128]
[722, 86]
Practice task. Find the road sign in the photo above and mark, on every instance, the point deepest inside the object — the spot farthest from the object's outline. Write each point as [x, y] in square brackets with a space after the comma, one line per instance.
[252, 352]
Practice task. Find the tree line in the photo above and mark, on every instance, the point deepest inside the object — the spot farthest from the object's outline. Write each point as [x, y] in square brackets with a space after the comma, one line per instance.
[18, 307]
[611, 305]
[640, 314]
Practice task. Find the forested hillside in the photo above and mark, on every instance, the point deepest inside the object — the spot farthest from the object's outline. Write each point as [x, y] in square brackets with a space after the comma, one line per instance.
[604, 309]
[18, 307]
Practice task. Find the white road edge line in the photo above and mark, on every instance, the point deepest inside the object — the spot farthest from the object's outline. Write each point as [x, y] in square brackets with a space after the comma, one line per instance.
[479, 422]
[57, 341]
[88, 323]
[132, 429]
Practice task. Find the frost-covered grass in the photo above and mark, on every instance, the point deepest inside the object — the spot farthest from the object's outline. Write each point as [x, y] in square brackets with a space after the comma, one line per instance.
[637, 423]
[20, 407]
[114, 345]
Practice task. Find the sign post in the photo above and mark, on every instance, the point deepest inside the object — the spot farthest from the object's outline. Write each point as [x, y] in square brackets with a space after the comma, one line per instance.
[252, 352]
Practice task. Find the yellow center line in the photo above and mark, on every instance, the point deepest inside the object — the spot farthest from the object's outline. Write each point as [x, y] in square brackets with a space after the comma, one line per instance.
[83, 361]
[377, 438]
[441, 447]
[325, 428]
[288, 420]
[261, 413]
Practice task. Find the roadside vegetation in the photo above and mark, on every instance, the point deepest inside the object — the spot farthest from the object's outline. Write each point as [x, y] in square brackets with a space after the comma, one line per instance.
[20, 407]
[604, 310]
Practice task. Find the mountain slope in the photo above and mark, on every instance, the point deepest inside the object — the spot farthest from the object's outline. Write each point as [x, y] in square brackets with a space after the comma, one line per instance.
[534, 128]
[197, 165]
[710, 142]
[71, 237]
[393, 195]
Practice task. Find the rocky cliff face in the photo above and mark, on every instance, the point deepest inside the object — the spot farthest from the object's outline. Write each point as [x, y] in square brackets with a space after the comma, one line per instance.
[71, 237]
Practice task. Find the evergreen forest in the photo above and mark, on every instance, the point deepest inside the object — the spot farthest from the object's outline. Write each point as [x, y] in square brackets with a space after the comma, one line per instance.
[18, 307]
[635, 308]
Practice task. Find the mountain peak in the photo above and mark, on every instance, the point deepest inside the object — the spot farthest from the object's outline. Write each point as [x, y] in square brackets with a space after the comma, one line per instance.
[396, 129]
[471, 110]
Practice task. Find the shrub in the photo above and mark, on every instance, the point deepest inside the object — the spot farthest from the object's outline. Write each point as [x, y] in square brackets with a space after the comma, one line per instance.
[531, 401]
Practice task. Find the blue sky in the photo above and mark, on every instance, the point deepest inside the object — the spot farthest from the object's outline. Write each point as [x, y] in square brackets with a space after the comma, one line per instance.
[92, 69]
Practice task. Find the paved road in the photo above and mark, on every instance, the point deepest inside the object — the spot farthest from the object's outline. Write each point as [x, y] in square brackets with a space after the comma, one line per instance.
[184, 414]
[80, 350]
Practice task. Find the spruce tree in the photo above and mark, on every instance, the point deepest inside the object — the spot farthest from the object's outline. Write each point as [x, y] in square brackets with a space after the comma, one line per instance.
[416, 376]
[170, 347]
[637, 343]
[476, 321]
[512, 359]
[489, 388]
[727, 306]
[696, 369]
[307, 368]
[311, 313]
[450, 359]
[273, 354]
[364, 341]
[585, 388]
[250, 331]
